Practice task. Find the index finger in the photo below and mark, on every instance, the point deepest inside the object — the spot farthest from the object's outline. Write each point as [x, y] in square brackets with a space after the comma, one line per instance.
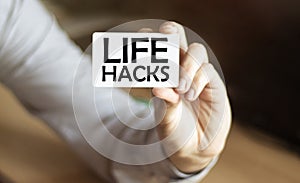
[172, 28]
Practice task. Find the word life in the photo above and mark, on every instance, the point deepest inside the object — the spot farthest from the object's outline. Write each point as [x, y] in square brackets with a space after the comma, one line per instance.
[135, 60]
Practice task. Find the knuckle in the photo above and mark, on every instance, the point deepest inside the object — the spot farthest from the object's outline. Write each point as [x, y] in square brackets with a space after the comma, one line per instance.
[208, 67]
[198, 46]
[178, 25]
[197, 78]
[209, 70]
[171, 22]
[198, 52]
[189, 67]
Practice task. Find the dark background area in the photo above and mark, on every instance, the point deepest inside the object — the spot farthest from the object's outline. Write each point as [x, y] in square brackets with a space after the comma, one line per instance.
[256, 42]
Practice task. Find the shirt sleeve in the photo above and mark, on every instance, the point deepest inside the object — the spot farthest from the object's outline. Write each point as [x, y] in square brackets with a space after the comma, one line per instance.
[52, 78]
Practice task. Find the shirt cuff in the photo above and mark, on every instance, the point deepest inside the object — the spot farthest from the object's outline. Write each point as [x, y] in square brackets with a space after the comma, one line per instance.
[181, 177]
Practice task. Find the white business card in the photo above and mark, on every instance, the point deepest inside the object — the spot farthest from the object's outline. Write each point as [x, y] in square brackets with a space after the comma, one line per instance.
[135, 59]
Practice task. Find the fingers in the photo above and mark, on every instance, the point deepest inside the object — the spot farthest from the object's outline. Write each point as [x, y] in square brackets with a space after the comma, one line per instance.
[196, 55]
[207, 77]
[192, 58]
[173, 28]
[204, 76]
[167, 94]
[145, 30]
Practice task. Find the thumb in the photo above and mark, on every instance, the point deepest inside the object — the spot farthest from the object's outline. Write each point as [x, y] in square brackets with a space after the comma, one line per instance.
[167, 109]
[167, 115]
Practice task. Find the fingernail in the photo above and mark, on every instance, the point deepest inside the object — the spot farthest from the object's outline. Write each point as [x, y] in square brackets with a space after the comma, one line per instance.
[145, 30]
[190, 94]
[168, 29]
[182, 84]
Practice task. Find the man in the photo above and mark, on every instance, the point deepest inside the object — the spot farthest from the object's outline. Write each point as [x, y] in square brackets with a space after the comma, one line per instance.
[38, 62]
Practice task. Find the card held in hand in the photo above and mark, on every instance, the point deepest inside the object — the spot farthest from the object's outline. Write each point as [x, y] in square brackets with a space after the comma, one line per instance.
[135, 59]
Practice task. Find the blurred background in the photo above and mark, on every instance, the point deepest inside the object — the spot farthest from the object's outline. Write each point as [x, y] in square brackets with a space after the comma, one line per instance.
[257, 45]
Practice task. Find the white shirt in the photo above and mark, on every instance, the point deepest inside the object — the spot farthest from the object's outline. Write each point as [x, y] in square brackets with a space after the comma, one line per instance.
[38, 62]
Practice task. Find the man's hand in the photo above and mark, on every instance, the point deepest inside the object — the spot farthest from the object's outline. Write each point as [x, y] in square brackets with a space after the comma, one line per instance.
[200, 102]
